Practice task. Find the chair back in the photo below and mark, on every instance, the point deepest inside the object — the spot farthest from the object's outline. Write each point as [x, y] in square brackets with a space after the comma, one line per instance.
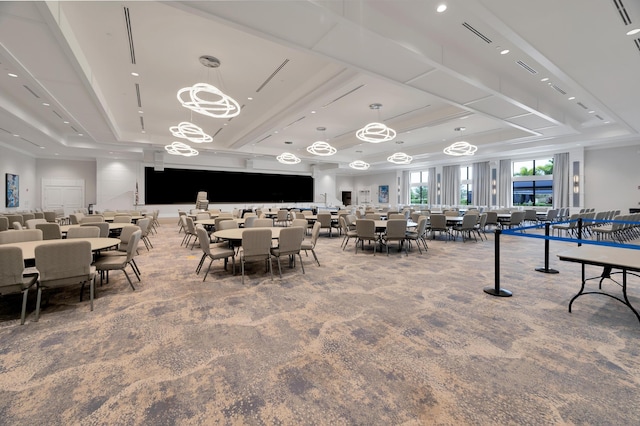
[482, 222]
[324, 219]
[290, 240]
[248, 221]
[219, 219]
[530, 215]
[374, 216]
[283, 215]
[50, 216]
[516, 218]
[302, 223]
[13, 236]
[15, 218]
[203, 215]
[342, 221]
[468, 222]
[103, 226]
[39, 215]
[144, 225]
[422, 225]
[392, 216]
[366, 228]
[132, 244]
[492, 218]
[31, 223]
[256, 242]
[4, 223]
[204, 239]
[438, 222]
[122, 218]
[396, 228]
[64, 262]
[87, 231]
[263, 223]
[11, 270]
[92, 218]
[50, 231]
[27, 216]
[227, 224]
[315, 232]
[125, 236]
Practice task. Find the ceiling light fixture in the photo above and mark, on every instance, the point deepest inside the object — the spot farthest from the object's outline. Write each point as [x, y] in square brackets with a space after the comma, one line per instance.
[460, 148]
[321, 147]
[359, 165]
[179, 148]
[190, 132]
[634, 31]
[288, 158]
[376, 132]
[441, 8]
[206, 99]
[400, 158]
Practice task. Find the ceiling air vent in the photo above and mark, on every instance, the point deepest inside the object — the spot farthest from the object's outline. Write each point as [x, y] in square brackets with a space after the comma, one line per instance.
[216, 133]
[31, 91]
[622, 11]
[74, 129]
[273, 74]
[127, 22]
[294, 122]
[58, 115]
[599, 117]
[557, 89]
[142, 123]
[266, 137]
[582, 105]
[476, 32]
[342, 96]
[637, 42]
[138, 95]
[527, 67]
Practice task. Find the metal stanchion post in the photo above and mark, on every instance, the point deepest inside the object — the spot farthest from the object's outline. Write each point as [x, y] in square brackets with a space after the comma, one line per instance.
[496, 290]
[546, 269]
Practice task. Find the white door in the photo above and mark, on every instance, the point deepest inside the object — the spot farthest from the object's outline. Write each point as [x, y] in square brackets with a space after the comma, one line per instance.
[65, 194]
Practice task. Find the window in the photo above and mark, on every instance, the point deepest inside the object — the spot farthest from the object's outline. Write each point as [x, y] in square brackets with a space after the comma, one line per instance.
[466, 185]
[419, 188]
[533, 182]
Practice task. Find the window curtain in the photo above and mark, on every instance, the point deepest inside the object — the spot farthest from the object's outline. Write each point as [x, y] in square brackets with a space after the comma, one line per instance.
[561, 180]
[451, 185]
[432, 185]
[481, 184]
[505, 198]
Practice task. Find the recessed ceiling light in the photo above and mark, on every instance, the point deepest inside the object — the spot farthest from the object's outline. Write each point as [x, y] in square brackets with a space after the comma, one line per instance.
[441, 8]
[250, 98]
[399, 142]
[592, 112]
[45, 104]
[135, 74]
[313, 112]
[16, 135]
[140, 112]
[288, 143]
[544, 79]
[571, 98]
[80, 134]
[42, 147]
[12, 75]
[634, 31]
[65, 122]
[504, 52]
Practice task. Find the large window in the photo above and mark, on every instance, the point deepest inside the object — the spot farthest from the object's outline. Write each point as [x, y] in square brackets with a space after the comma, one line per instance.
[419, 188]
[466, 186]
[533, 182]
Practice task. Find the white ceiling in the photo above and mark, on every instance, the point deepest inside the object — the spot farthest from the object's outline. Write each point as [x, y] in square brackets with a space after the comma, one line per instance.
[310, 64]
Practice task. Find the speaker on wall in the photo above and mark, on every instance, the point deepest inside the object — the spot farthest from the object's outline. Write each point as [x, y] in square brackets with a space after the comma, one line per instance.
[158, 162]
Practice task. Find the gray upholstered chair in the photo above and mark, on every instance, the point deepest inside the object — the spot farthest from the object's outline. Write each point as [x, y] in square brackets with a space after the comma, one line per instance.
[107, 263]
[13, 236]
[4, 223]
[366, 231]
[325, 222]
[63, 264]
[102, 226]
[346, 232]
[83, 232]
[396, 231]
[31, 223]
[50, 231]
[214, 252]
[438, 223]
[12, 277]
[50, 216]
[310, 243]
[145, 227]
[467, 226]
[14, 218]
[91, 218]
[419, 234]
[256, 245]
[263, 223]
[282, 218]
[122, 218]
[248, 221]
[289, 244]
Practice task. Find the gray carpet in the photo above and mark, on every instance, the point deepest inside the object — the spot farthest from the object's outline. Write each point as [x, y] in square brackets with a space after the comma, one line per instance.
[360, 340]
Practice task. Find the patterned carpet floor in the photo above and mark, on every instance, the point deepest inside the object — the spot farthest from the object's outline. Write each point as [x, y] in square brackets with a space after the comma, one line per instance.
[359, 340]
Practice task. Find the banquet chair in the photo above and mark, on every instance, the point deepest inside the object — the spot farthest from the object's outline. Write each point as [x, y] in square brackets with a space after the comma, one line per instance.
[492, 219]
[366, 231]
[282, 218]
[289, 244]
[467, 226]
[262, 223]
[38, 215]
[14, 218]
[396, 231]
[374, 216]
[4, 223]
[26, 217]
[395, 216]
[115, 262]
[515, 220]
[219, 219]
[213, 252]
[15, 236]
[50, 216]
[17, 226]
[248, 222]
[145, 226]
[87, 231]
[31, 223]
[310, 243]
[50, 231]
[91, 218]
[102, 226]
[479, 228]
[438, 223]
[189, 231]
[62, 264]
[419, 234]
[325, 222]
[122, 218]
[348, 233]
[203, 215]
[256, 245]
[12, 277]
[301, 222]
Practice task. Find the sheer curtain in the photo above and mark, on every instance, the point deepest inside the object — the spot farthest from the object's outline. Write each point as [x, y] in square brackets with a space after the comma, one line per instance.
[481, 176]
[561, 180]
[504, 184]
[451, 185]
[432, 185]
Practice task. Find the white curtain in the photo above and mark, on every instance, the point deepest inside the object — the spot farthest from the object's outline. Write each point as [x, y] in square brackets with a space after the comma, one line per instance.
[504, 184]
[432, 185]
[481, 184]
[451, 185]
[561, 180]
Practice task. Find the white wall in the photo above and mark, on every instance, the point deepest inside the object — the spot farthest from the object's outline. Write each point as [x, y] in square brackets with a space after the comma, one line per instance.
[371, 183]
[612, 178]
[67, 169]
[24, 166]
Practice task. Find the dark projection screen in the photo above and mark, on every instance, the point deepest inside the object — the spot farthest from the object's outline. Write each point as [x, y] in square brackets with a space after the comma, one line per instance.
[181, 186]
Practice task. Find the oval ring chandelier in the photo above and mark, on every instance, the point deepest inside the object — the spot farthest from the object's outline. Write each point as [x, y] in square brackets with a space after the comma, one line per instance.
[359, 165]
[288, 158]
[179, 148]
[190, 132]
[400, 158]
[220, 106]
[376, 132]
[460, 148]
[321, 148]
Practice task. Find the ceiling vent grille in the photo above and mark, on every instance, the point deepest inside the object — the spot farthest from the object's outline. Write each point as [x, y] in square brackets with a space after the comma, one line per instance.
[477, 33]
[637, 42]
[294, 122]
[342, 96]
[557, 89]
[5, 130]
[527, 67]
[127, 22]
[622, 11]
[582, 105]
[27, 140]
[599, 117]
[31, 91]
[408, 112]
[142, 123]
[58, 115]
[138, 95]
[216, 133]
[266, 137]
[74, 129]
[273, 74]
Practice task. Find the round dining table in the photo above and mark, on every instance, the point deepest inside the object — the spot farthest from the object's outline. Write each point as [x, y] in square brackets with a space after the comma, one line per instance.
[235, 234]
[29, 247]
[112, 226]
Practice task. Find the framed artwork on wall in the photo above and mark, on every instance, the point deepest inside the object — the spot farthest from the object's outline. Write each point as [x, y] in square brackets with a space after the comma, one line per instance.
[12, 190]
[383, 194]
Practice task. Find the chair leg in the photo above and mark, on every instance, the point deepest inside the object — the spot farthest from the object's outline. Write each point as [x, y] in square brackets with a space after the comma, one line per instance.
[135, 272]
[128, 279]
[23, 313]
[301, 264]
[38, 299]
[279, 268]
[92, 286]
[315, 257]
[199, 267]
[207, 273]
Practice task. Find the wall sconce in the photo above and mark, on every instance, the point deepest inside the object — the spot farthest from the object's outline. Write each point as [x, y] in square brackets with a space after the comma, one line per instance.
[494, 187]
[438, 189]
[576, 183]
